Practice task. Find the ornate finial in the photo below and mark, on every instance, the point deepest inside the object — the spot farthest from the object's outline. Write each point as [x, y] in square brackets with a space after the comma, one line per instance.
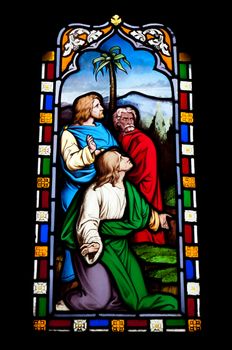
[116, 20]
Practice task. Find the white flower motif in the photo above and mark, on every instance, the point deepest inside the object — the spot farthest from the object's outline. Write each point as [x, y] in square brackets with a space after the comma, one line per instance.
[94, 35]
[138, 35]
[40, 288]
[80, 325]
[193, 288]
[157, 41]
[74, 41]
[156, 325]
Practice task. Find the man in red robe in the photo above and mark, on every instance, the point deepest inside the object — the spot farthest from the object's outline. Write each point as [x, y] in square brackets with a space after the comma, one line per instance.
[144, 174]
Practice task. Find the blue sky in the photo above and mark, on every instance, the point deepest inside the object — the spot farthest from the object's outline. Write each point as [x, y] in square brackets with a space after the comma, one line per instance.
[141, 77]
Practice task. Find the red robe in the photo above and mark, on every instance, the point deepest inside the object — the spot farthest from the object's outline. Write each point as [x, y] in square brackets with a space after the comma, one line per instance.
[144, 175]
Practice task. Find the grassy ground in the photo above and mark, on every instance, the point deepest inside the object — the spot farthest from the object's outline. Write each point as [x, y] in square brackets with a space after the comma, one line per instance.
[159, 265]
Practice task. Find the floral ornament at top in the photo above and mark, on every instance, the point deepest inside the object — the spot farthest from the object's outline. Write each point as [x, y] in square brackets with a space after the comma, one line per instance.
[157, 40]
[75, 41]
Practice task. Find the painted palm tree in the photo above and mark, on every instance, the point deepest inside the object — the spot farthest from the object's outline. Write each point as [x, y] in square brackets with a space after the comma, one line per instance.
[111, 61]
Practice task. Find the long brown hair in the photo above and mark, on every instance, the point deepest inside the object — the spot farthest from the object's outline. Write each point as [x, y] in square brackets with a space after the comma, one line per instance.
[107, 166]
[82, 107]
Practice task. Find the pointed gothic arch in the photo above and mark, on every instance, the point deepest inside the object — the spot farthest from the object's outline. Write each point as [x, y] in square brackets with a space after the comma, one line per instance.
[57, 66]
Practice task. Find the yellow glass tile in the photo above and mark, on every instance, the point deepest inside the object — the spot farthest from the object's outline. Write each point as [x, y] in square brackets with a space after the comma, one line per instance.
[194, 325]
[48, 56]
[43, 182]
[118, 325]
[189, 181]
[41, 251]
[191, 251]
[184, 57]
[45, 118]
[39, 325]
[186, 117]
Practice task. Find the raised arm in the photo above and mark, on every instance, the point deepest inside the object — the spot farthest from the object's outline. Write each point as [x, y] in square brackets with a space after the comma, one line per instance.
[74, 157]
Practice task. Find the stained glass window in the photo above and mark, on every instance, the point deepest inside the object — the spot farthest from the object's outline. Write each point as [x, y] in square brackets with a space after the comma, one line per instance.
[128, 267]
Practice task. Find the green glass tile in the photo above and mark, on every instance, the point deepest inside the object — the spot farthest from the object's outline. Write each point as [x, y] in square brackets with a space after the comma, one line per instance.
[183, 71]
[42, 306]
[175, 322]
[46, 166]
[187, 198]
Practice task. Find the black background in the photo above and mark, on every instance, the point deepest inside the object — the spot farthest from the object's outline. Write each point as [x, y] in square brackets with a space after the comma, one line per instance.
[36, 29]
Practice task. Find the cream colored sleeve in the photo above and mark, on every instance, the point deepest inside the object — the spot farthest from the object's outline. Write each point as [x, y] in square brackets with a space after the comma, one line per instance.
[74, 157]
[88, 224]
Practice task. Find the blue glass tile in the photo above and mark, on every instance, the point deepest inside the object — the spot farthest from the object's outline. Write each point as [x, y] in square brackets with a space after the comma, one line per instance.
[97, 323]
[48, 102]
[43, 233]
[190, 271]
[184, 133]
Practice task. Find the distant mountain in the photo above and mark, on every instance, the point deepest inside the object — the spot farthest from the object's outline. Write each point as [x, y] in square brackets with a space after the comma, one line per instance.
[135, 93]
[65, 113]
[147, 106]
[65, 104]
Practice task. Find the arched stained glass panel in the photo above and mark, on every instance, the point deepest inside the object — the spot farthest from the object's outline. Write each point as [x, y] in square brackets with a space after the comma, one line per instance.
[116, 224]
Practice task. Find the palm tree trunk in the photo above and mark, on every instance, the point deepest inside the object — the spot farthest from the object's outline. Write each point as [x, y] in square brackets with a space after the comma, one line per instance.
[112, 104]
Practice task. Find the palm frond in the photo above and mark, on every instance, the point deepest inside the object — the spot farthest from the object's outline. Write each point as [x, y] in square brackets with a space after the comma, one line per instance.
[98, 59]
[100, 67]
[127, 62]
[119, 56]
[115, 48]
[118, 64]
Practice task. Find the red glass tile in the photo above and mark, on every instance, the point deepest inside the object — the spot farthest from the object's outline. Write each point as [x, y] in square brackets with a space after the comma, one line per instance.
[184, 100]
[45, 199]
[185, 165]
[137, 323]
[188, 233]
[43, 269]
[50, 71]
[47, 133]
[191, 307]
[60, 323]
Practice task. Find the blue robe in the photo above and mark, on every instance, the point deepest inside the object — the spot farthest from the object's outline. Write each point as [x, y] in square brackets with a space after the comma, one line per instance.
[74, 180]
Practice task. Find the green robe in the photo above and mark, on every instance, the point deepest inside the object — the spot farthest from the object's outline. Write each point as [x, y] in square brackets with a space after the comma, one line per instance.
[117, 255]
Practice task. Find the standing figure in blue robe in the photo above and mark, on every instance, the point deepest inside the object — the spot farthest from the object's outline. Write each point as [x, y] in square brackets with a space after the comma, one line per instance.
[80, 143]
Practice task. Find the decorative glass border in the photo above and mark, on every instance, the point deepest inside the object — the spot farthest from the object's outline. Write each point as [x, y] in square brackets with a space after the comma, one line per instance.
[44, 318]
